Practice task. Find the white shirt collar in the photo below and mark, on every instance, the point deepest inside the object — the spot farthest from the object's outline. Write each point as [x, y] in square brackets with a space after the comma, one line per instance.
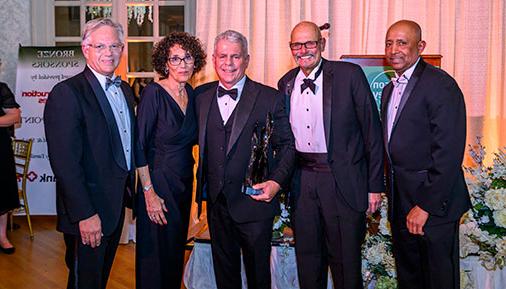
[407, 74]
[239, 85]
[301, 75]
[101, 78]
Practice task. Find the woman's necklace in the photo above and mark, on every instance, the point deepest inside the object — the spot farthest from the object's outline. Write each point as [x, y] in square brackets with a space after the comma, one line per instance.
[178, 94]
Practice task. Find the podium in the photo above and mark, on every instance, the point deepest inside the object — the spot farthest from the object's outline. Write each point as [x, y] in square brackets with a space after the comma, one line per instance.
[378, 72]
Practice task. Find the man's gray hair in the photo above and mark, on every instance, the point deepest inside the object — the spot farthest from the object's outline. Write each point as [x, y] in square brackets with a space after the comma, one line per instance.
[233, 36]
[95, 24]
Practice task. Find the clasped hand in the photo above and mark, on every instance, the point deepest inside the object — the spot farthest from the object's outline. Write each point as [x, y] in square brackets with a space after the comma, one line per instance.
[269, 190]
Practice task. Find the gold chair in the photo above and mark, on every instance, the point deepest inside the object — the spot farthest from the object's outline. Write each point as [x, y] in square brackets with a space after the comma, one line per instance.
[22, 154]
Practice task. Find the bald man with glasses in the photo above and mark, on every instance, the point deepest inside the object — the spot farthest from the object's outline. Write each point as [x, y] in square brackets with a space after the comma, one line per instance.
[339, 166]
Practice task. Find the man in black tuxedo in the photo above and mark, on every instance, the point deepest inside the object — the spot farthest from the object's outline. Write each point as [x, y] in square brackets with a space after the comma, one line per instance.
[89, 124]
[424, 127]
[339, 170]
[228, 111]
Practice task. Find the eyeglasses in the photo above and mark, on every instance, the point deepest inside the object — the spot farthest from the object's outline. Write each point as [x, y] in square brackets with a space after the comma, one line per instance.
[115, 47]
[307, 44]
[175, 60]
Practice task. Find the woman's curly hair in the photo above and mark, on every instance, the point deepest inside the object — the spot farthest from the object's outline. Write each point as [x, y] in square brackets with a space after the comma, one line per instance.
[188, 42]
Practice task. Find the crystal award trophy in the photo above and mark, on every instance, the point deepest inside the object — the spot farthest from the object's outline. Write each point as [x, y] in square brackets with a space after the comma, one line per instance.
[258, 167]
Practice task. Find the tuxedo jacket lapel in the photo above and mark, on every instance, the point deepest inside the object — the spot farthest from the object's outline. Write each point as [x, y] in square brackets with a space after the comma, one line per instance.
[206, 99]
[129, 98]
[243, 111]
[117, 148]
[408, 91]
[327, 101]
[288, 91]
[327, 96]
[385, 98]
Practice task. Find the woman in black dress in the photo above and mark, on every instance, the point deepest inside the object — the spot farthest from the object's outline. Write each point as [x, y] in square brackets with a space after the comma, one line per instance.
[167, 131]
[9, 200]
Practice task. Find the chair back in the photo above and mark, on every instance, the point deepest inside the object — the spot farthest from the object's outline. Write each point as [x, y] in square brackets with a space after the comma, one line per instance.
[22, 155]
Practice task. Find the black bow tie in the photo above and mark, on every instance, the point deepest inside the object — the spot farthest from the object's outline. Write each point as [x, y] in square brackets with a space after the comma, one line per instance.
[116, 82]
[232, 93]
[309, 83]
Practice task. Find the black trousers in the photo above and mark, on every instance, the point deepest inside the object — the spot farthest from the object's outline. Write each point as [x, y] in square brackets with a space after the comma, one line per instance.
[159, 251]
[89, 268]
[229, 239]
[327, 233]
[430, 261]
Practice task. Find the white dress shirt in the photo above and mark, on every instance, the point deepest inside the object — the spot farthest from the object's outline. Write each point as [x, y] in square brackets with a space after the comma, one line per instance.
[121, 113]
[306, 114]
[228, 104]
[396, 97]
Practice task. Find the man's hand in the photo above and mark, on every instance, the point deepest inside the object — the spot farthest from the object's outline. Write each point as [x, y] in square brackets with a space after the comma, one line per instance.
[374, 202]
[155, 206]
[269, 190]
[416, 220]
[91, 231]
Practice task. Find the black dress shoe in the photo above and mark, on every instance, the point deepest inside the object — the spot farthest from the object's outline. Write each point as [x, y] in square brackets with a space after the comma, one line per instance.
[7, 251]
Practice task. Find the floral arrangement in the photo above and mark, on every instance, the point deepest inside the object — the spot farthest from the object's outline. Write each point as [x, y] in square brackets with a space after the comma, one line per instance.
[378, 264]
[484, 231]
[282, 227]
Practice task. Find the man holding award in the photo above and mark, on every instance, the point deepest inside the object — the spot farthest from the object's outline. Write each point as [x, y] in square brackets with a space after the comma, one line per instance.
[246, 155]
[339, 170]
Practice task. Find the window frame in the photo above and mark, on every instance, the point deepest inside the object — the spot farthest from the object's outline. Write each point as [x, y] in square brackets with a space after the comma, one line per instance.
[43, 28]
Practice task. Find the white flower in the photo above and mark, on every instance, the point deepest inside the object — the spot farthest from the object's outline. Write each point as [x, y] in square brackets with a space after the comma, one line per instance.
[496, 199]
[487, 203]
[384, 226]
[487, 260]
[467, 246]
[500, 218]
[500, 246]
[484, 236]
[277, 224]
[484, 220]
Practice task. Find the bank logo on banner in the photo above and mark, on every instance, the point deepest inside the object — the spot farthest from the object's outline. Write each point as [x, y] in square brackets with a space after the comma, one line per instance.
[39, 69]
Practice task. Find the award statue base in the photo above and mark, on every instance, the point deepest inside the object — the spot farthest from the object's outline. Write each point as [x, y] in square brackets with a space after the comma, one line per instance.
[250, 191]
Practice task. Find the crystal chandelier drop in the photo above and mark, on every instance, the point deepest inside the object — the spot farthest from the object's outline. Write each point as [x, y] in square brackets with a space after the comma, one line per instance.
[139, 14]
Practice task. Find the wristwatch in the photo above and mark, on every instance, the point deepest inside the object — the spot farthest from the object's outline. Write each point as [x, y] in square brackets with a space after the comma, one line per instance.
[147, 188]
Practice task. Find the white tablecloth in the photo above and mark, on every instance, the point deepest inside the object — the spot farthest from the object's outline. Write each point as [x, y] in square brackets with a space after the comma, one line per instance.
[199, 273]
[475, 276]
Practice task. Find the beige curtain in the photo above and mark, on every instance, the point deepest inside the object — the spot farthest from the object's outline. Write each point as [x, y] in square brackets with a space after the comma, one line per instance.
[469, 34]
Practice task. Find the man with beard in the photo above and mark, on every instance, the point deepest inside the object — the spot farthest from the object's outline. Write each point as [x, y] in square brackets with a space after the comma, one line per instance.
[339, 167]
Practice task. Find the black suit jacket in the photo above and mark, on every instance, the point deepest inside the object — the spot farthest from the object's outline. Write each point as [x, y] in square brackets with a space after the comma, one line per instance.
[85, 152]
[352, 130]
[256, 102]
[426, 146]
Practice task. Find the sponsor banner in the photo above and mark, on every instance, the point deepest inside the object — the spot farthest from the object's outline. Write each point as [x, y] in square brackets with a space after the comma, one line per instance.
[378, 77]
[39, 69]
[379, 72]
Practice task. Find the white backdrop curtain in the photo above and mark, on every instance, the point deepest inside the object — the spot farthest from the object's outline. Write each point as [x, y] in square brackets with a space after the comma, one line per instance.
[469, 34]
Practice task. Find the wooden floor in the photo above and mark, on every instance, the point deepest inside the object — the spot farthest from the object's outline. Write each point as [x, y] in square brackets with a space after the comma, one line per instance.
[39, 264]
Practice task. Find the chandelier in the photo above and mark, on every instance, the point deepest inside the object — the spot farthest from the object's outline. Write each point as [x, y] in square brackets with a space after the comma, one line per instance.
[134, 12]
